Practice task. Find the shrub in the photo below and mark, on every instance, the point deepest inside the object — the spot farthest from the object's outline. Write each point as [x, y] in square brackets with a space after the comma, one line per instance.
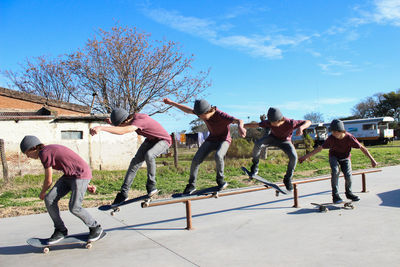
[240, 148]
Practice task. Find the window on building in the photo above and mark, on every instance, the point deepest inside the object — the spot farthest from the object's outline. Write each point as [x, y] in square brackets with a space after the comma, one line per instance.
[369, 126]
[71, 135]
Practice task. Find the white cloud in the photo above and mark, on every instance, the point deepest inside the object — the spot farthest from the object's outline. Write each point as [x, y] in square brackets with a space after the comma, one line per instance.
[387, 11]
[254, 45]
[268, 46]
[337, 68]
[383, 12]
[195, 26]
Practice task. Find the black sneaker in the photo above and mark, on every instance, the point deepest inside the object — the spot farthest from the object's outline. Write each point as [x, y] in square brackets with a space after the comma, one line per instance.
[336, 199]
[254, 169]
[152, 192]
[189, 189]
[222, 186]
[121, 197]
[57, 236]
[288, 184]
[95, 233]
[352, 197]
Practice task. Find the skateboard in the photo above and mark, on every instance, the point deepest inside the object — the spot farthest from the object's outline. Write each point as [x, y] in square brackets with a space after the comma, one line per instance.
[323, 207]
[116, 208]
[265, 182]
[202, 192]
[69, 240]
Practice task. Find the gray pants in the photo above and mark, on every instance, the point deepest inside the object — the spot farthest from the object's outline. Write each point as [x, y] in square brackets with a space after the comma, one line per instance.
[206, 148]
[345, 165]
[63, 186]
[286, 146]
[148, 152]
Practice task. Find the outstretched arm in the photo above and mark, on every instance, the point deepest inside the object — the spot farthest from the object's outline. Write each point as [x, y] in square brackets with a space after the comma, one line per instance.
[242, 130]
[366, 153]
[184, 108]
[113, 129]
[303, 127]
[251, 125]
[312, 153]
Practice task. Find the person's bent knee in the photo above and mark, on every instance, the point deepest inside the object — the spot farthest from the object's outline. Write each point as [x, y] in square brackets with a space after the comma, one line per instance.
[48, 200]
[219, 156]
[75, 210]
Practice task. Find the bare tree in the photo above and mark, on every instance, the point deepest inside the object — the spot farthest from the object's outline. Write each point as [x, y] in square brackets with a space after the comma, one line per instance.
[126, 69]
[123, 67]
[314, 117]
[45, 77]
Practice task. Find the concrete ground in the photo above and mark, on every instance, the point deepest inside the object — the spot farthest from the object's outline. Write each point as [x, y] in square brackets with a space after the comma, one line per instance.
[253, 229]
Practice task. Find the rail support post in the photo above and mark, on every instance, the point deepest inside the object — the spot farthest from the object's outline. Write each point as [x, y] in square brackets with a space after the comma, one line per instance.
[295, 196]
[364, 183]
[188, 215]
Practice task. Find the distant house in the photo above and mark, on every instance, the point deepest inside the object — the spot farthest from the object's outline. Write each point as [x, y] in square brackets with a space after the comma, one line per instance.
[57, 122]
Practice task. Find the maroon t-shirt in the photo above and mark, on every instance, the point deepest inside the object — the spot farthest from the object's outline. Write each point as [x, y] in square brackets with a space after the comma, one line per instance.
[150, 128]
[218, 125]
[64, 159]
[341, 148]
[285, 131]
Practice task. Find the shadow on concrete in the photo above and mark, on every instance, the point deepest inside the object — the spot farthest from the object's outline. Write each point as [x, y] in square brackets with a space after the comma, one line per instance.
[27, 249]
[315, 210]
[259, 206]
[17, 250]
[390, 198]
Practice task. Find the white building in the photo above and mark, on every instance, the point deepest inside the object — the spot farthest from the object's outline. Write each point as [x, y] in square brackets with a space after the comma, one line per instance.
[59, 123]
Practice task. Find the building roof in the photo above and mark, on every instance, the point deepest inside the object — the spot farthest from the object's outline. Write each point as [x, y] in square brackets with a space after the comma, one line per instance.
[44, 101]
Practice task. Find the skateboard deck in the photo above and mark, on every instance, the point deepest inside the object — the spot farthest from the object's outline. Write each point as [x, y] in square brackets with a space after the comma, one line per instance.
[116, 208]
[69, 240]
[264, 181]
[323, 207]
[206, 191]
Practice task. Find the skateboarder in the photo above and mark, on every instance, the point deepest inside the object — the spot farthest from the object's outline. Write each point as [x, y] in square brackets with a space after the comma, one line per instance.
[218, 123]
[280, 136]
[76, 178]
[157, 142]
[340, 143]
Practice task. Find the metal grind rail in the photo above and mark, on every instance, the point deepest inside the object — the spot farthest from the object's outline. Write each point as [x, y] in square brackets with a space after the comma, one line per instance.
[187, 200]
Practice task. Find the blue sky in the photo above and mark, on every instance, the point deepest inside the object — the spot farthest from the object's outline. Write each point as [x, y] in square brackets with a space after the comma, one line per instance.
[301, 56]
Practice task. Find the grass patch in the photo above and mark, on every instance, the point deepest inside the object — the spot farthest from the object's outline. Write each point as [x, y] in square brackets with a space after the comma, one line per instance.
[22, 193]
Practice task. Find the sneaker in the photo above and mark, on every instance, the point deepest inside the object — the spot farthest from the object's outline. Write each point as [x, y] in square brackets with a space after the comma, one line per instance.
[57, 236]
[288, 184]
[254, 169]
[352, 197]
[152, 192]
[336, 199]
[95, 233]
[189, 189]
[222, 186]
[121, 197]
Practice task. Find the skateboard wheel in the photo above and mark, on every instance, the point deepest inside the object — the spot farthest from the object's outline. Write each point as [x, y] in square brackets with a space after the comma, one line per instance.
[112, 213]
[277, 193]
[46, 250]
[145, 204]
[89, 245]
